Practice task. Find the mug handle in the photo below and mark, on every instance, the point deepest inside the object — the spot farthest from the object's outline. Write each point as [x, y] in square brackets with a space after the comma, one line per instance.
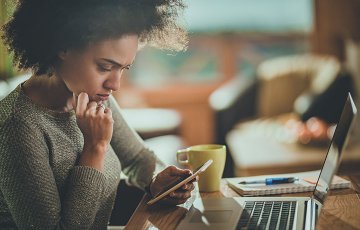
[179, 154]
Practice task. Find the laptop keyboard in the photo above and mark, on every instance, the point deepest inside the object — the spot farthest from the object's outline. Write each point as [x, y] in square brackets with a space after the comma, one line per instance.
[267, 215]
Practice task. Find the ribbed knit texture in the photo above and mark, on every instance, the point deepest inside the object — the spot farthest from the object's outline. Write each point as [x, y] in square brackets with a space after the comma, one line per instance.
[41, 186]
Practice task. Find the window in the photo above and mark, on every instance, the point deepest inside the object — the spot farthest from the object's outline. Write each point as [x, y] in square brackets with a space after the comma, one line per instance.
[245, 32]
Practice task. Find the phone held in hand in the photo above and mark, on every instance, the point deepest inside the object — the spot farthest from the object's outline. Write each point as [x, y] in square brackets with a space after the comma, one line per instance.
[177, 184]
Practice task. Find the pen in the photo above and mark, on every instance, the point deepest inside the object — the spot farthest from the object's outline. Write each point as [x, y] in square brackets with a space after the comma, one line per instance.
[271, 181]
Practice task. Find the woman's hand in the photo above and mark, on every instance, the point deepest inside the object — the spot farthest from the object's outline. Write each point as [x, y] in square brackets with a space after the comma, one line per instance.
[96, 124]
[167, 177]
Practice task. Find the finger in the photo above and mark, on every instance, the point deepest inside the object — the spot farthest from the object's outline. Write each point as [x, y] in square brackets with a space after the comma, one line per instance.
[188, 187]
[108, 114]
[175, 171]
[191, 187]
[107, 110]
[100, 108]
[91, 107]
[180, 195]
[172, 201]
[74, 101]
[82, 101]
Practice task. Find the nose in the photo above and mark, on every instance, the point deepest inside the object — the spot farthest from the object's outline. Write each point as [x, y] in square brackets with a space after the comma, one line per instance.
[113, 82]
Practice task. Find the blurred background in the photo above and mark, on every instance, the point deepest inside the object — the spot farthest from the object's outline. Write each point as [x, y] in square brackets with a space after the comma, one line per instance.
[228, 39]
[266, 78]
[246, 60]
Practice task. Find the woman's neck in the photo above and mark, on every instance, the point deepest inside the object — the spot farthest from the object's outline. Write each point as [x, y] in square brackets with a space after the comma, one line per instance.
[50, 92]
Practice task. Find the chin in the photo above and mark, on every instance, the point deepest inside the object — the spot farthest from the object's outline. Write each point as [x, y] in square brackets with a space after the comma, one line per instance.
[95, 98]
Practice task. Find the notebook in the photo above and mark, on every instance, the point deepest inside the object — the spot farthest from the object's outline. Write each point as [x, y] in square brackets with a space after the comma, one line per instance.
[306, 183]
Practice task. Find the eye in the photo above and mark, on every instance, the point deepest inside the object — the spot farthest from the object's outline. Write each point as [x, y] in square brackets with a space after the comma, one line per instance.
[127, 67]
[103, 68]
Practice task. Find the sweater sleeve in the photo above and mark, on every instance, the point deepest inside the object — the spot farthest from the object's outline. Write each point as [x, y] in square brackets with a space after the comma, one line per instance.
[139, 163]
[28, 185]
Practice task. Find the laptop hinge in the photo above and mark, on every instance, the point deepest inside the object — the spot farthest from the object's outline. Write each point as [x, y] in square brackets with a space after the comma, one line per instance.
[311, 212]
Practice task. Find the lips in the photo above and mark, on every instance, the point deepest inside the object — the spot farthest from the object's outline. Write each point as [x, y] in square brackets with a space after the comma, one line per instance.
[103, 97]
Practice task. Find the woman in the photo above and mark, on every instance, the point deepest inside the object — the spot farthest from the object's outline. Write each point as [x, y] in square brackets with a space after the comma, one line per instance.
[63, 139]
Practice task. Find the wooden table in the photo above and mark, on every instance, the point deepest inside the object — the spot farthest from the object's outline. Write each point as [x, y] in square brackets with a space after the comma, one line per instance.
[264, 146]
[341, 209]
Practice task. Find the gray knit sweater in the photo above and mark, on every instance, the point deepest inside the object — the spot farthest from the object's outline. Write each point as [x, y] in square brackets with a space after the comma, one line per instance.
[41, 185]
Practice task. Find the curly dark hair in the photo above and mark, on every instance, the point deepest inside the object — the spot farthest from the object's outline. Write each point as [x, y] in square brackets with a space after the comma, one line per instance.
[40, 29]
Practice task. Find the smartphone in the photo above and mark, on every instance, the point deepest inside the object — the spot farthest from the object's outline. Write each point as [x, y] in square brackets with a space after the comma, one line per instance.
[178, 183]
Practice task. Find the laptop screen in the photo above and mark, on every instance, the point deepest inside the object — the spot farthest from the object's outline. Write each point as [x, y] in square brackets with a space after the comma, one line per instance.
[337, 145]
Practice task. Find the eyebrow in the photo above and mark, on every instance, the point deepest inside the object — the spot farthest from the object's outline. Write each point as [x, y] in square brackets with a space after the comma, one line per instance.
[114, 62]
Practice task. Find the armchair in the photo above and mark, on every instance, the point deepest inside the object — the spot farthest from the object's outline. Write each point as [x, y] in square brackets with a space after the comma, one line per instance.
[283, 85]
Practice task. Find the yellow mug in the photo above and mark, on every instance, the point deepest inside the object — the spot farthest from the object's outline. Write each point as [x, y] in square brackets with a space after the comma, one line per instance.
[195, 156]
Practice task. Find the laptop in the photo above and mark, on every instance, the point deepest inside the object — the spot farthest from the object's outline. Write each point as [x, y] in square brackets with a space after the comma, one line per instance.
[274, 212]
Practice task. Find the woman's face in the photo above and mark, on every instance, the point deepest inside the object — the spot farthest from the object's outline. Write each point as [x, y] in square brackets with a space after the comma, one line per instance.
[97, 69]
